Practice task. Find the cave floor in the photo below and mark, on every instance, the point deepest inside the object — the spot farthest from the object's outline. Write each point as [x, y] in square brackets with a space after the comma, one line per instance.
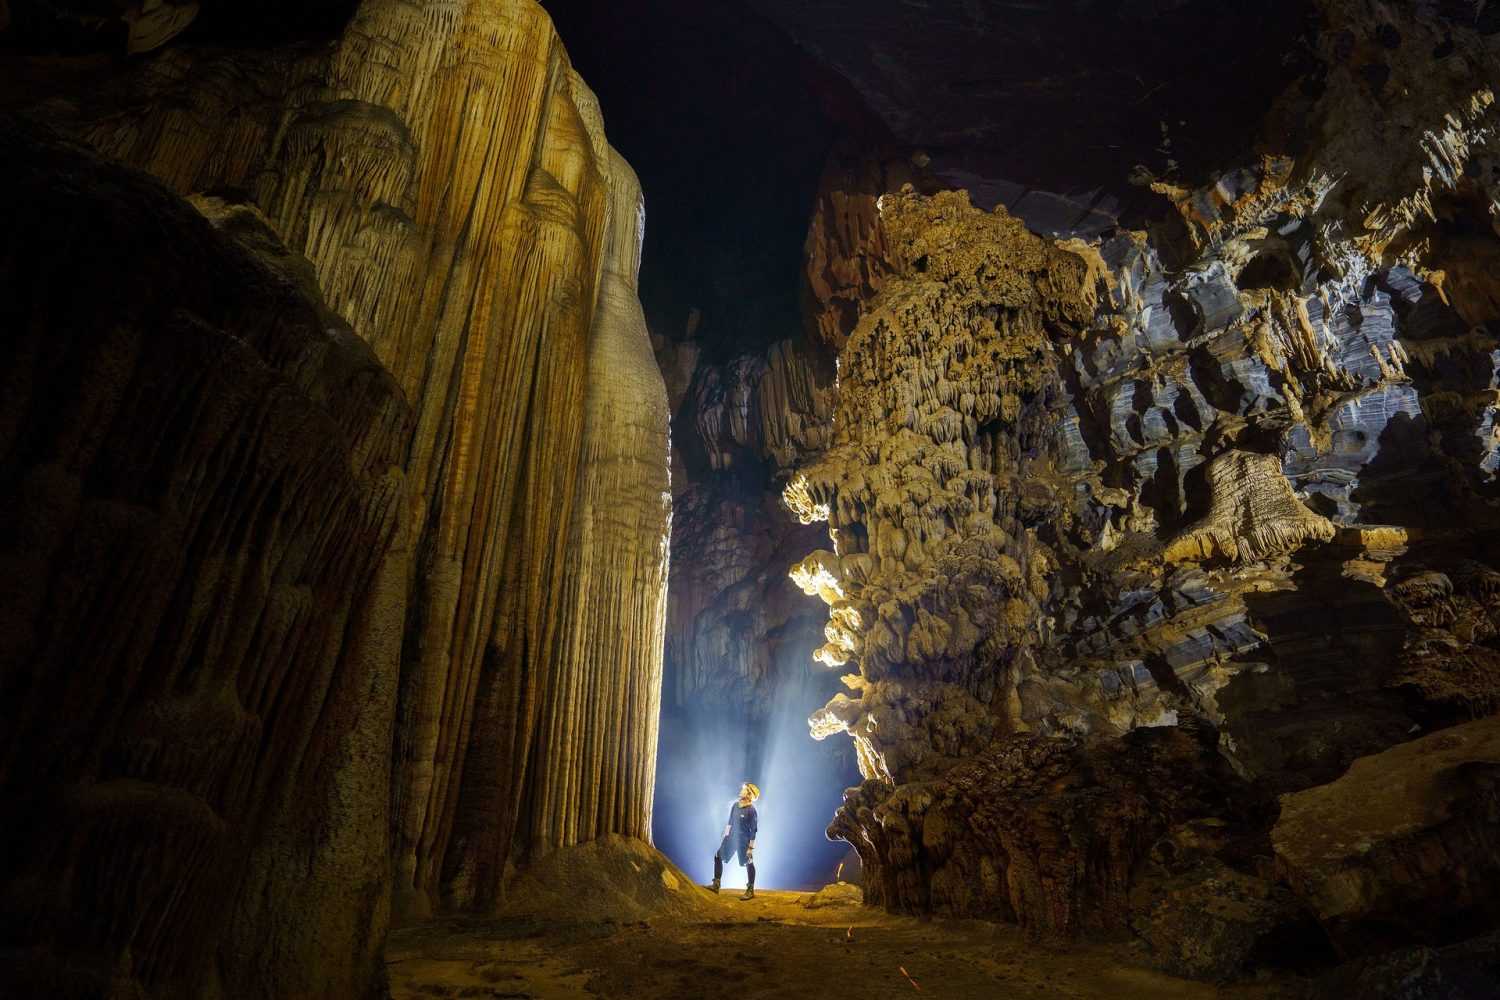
[773, 946]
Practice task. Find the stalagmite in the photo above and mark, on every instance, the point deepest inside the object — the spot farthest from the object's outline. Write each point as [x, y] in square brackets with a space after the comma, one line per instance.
[1084, 503]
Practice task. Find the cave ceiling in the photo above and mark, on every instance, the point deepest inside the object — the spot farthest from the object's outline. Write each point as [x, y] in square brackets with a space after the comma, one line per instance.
[1063, 95]
[729, 109]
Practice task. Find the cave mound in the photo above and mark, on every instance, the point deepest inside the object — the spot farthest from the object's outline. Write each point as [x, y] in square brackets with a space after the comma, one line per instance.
[613, 878]
[837, 894]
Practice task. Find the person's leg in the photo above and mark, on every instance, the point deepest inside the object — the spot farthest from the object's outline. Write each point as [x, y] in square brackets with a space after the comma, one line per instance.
[719, 864]
[749, 867]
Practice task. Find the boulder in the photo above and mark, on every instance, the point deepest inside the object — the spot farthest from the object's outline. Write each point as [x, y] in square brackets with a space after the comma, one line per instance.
[1404, 847]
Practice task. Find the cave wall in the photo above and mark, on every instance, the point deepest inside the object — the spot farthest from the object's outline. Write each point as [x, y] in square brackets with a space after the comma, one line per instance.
[203, 472]
[1234, 475]
[443, 178]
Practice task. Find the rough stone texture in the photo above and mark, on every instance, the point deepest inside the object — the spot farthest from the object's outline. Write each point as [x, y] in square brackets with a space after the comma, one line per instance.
[206, 574]
[752, 410]
[1205, 920]
[1405, 847]
[1033, 829]
[736, 624]
[1235, 475]
[846, 246]
[1465, 971]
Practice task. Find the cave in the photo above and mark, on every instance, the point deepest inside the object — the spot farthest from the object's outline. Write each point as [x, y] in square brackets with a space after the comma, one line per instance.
[560, 498]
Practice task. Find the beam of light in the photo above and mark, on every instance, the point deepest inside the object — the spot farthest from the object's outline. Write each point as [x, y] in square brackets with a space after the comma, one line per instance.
[700, 764]
[803, 786]
[704, 756]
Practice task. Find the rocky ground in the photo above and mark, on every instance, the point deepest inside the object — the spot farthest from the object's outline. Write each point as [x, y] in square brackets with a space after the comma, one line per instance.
[774, 946]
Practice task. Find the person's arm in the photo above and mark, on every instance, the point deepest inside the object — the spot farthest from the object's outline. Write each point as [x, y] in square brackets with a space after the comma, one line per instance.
[754, 827]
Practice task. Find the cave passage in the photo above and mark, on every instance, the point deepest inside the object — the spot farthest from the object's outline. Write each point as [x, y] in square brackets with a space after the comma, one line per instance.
[1051, 449]
[700, 763]
[729, 126]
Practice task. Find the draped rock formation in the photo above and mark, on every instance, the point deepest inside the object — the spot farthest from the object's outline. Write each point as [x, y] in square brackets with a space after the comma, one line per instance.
[751, 419]
[446, 176]
[1235, 476]
[207, 563]
[599, 725]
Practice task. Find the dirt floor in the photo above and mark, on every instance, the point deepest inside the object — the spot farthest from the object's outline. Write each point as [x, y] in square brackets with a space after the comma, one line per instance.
[772, 946]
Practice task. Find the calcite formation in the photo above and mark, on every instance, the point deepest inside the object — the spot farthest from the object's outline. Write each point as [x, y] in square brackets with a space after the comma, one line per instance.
[1237, 480]
[207, 566]
[445, 174]
[599, 726]
[734, 619]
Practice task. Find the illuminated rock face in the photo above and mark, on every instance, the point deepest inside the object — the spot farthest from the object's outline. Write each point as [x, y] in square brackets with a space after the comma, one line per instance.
[1076, 495]
[446, 176]
[596, 742]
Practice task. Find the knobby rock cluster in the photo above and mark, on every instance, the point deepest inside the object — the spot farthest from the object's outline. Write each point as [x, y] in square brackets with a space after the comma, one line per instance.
[1139, 543]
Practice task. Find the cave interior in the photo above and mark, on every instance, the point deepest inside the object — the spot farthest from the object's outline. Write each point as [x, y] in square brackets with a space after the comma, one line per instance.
[1048, 447]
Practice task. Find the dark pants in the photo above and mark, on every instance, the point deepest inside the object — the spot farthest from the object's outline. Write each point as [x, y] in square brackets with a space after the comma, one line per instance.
[729, 849]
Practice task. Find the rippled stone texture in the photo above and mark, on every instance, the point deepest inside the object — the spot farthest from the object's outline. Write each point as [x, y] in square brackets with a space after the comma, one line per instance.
[446, 176]
[206, 575]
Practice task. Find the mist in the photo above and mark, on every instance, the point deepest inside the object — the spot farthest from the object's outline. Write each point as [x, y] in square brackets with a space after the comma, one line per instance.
[703, 759]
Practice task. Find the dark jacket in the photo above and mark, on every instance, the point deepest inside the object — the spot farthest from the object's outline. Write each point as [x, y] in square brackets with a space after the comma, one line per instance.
[743, 824]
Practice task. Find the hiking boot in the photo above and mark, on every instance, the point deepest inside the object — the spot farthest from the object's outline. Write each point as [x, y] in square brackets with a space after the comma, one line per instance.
[713, 887]
[749, 892]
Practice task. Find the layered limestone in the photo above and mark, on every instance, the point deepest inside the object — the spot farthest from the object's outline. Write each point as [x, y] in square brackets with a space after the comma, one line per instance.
[445, 174]
[1234, 476]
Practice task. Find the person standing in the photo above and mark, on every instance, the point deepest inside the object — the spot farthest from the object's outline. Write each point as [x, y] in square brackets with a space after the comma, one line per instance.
[739, 839]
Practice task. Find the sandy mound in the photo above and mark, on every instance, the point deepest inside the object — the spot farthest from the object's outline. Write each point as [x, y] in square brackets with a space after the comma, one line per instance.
[837, 894]
[614, 878]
